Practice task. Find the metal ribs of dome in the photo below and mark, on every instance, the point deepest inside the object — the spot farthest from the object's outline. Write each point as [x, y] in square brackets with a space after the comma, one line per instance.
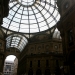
[40, 16]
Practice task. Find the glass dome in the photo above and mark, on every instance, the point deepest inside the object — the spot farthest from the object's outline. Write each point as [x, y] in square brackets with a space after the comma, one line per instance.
[31, 16]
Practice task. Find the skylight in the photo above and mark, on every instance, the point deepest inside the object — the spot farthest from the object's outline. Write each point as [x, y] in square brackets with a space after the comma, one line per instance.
[31, 16]
[16, 41]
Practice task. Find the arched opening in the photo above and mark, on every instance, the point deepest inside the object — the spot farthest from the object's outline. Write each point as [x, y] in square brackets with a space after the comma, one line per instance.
[10, 65]
[47, 72]
[38, 72]
[30, 72]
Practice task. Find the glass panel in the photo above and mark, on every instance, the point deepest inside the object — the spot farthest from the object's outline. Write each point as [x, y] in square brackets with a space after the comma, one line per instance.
[5, 25]
[25, 12]
[51, 10]
[32, 17]
[47, 15]
[24, 21]
[38, 15]
[42, 24]
[57, 18]
[24, 17]
[43, 3]
[35, 10]
[6, 20]
[33, 30]
[14, 8]
[24, 26]
[14, 24]
[52, 2]
[11, 12]
[47, 7]
[43, 11]
[41, 19]
[11, 4]
[24, 30]
[16, 19]
[33, 26]
[20, 12]
[52, 24]
[33, 21]
[18, 15]
[15, 28]
[55, 13]
[50, 19]
[44, 28]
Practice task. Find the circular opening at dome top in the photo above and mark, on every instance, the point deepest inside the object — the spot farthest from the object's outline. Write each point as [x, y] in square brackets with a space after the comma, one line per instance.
[26, 2]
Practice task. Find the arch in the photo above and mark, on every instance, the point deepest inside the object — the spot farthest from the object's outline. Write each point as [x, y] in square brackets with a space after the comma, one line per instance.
[10, 57]
[10, 65]
[30, 72]
[47, 72]
[38, 72]
[12, 51]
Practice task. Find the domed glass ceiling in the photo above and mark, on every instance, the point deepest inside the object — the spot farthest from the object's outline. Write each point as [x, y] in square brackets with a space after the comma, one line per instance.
[31, 16]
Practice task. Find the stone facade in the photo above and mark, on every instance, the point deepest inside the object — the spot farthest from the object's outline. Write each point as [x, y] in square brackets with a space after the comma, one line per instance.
[41, 56]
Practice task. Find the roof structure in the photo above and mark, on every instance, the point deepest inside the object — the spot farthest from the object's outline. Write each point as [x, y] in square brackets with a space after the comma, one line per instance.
[29, 17]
